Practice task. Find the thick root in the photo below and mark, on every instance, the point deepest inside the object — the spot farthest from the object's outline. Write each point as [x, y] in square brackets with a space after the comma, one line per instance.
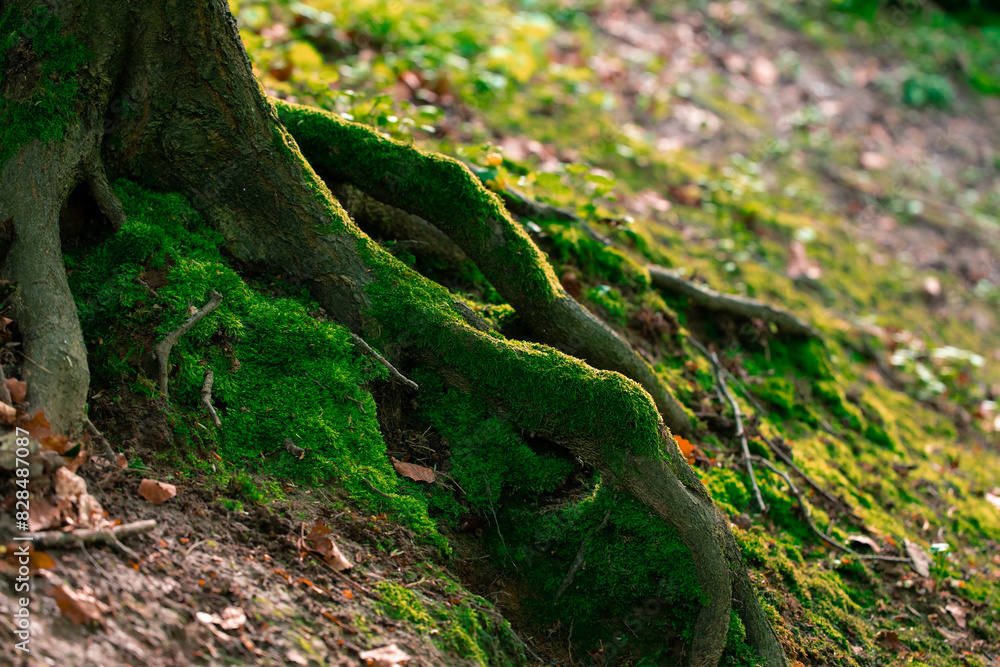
[446, 194]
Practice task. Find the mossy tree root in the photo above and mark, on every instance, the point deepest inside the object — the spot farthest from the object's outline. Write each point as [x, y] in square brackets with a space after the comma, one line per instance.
[204, 128]
[446, 194]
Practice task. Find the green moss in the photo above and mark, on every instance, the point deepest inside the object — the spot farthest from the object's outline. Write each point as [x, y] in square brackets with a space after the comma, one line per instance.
[570, 244]
[779, 392]
[610, 300]
[43, 109]
[279, 372]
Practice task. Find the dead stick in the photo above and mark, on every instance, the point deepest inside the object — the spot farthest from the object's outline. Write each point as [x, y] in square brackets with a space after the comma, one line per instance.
[578, 561]
[110, 536]
[376, 489]
[206, 397]
[162, 350]
[837, 502]
[489, 495]
[108, 452]
[360, 404]
[396, 374]
[740, 433]
[812, 524]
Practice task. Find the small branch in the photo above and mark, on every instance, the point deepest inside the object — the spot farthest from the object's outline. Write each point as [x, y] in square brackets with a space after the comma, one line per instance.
[578, 561]
[360, 404]
[162, 350]
[106, 450]
[376, 489]
[110, 536]
[787, 460]
[396, 374]
[729, 303]
[740, 433]
[812, 524]
[489, 495]
[105, 195]
[206, 398]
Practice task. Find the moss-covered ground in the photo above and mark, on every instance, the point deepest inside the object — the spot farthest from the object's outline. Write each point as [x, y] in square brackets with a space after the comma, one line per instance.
[892, 410]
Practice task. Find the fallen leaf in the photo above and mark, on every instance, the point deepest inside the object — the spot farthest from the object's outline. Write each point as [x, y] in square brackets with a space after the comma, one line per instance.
[57, 443]
[18, 389]
[7, 413]
[294, 656]
[993, 498]
[37, 560]
[232, 618]
[156, 492]
[36, 425]
[920, 560]
[958, 612]
[387, 656]
[320, 540]
[68, 485]
[865, 541]
[412, 471]
[79, 606]
[890, 640]
[43, 515]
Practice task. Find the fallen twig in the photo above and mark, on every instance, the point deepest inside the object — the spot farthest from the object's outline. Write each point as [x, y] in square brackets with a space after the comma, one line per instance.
[787, 460]
[578, 561]
[376, 489]
[396, 374]
[812, 524]
[489, 495]
[107, 451]
[740, 433]
[729, 303]
[206, 397]
[110, 536]
[162, 350]
[360, 404]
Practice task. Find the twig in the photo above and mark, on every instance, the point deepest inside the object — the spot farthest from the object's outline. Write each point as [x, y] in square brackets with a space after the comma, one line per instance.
[578, 561]
[787, 460]
[162, 350]
[731, 303]
[206, 397]
[812, 524]
[33, 361]
[376, 489]
[108, 452]
[56, 538]
[360, 404]
[192, 548]
[489, 495]
[4, 392]
[740, 433]
[396, 374]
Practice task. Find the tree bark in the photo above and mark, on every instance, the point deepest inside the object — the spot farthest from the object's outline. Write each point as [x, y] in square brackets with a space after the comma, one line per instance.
[188, 116]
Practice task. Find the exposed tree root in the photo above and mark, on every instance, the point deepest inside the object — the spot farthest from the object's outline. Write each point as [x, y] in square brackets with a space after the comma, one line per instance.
[162, 349]
[105, 197]
[446, 194]
[740, 306]
[106, 450]
[205, 129]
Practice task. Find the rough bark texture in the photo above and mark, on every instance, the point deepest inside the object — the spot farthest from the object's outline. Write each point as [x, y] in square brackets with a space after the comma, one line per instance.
[198, 123]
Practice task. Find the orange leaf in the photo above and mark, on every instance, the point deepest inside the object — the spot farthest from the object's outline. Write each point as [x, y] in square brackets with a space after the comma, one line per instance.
[18, 389]
[79, 606]
[414, 472]
[36, 425]
[156, 492]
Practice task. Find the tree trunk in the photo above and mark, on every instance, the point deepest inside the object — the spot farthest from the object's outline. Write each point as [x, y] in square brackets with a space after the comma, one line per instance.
[168, 99]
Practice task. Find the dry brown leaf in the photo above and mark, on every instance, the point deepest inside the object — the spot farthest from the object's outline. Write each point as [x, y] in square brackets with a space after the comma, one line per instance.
[387, 656]
[7, 413]
[37, 425]
[231, 618]
[18, 389]
[865, 541]
[321, 541]
[921, 561]
[958, 611]
[68, 485]
[37, 560]
[412, 471]
[156, 492]
[43, 515]
[79, 606]
[57, 443]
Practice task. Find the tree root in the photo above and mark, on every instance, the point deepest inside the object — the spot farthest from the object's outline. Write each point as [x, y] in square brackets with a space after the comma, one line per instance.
[105, 196]
[578, 560]
[162, 350]
[382, 360]
[733, 304]
[206, 398]
[106, 450]
[446, 194]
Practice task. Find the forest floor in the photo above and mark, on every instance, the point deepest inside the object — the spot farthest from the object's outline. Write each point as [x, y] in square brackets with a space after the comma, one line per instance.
[846, 172]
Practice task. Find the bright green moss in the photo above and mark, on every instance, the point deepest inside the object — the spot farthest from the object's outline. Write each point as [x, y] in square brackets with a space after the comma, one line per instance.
[279, 373]
[572, 245]
[779, 392]
[43, 109]
[611, 302]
